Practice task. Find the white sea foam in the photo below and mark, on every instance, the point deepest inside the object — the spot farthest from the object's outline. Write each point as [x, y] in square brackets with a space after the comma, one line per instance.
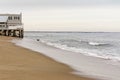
[96, 44]
[84, 65]
[86, 52]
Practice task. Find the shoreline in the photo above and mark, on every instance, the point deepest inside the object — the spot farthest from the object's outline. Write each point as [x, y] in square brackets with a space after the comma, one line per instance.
[21, 63]
[81, 64]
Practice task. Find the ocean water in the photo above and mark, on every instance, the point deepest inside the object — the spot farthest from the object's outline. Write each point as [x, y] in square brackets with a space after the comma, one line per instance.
[97, 44]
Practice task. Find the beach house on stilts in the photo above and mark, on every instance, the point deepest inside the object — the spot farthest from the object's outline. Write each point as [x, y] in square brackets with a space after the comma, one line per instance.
[11, 25]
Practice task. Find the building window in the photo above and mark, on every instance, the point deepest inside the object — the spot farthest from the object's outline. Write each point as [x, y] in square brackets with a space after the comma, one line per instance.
[10, 17]
[14, 17]
[18, 18]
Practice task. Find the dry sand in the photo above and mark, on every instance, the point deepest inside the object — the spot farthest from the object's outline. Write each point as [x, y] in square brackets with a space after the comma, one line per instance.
[17, 63]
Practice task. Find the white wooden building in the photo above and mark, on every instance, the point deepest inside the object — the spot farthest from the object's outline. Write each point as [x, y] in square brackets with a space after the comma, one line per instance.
[11, 24]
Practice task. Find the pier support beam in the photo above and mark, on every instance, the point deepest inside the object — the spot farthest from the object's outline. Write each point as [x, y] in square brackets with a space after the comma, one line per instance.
[21, 33]
[13, 33]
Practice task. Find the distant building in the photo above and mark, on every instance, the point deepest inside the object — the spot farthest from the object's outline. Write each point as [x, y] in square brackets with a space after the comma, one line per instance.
[11, 23]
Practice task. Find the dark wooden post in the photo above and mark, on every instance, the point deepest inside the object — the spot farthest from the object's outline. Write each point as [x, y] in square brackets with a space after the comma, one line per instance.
[22, 34]
[14, 33]
[6, 32]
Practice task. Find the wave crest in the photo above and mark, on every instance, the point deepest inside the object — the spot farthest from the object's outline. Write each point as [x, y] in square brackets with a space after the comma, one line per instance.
[97, 44]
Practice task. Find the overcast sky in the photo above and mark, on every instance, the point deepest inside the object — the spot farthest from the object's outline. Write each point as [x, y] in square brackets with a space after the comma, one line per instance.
[66, 15]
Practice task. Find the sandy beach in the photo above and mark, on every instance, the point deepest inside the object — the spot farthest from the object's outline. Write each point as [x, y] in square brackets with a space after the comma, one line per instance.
[17, 63]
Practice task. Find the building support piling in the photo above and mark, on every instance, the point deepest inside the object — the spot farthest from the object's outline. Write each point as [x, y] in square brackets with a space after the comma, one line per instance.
[13, 33]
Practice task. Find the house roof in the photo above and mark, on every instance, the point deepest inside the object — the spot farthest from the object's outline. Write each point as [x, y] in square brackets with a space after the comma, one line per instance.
[3, 18]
